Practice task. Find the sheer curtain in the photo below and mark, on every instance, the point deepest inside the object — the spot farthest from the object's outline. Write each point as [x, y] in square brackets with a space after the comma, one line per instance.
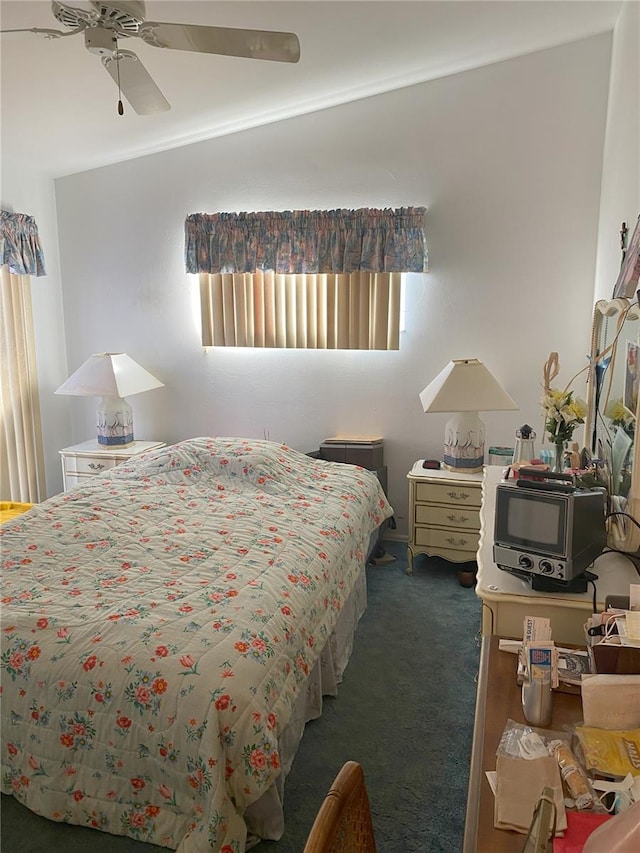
[21, 451]
[306, 279]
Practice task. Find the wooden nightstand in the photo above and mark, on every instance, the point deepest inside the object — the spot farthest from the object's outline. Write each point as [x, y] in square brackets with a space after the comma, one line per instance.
[444, 514]
[89, 458]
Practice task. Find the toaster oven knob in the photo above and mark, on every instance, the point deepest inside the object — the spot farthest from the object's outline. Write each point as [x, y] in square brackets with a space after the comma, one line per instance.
[546, 567]
[525, 561]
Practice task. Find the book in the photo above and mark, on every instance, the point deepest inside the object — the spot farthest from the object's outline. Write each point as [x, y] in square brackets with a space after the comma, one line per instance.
[345, 439]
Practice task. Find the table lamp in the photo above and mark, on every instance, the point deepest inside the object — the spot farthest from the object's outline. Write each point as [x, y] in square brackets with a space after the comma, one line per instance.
[111, 376]
[466, 387]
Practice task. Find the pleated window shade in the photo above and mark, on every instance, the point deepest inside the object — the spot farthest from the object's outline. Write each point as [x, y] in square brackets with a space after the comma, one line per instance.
[359, 310]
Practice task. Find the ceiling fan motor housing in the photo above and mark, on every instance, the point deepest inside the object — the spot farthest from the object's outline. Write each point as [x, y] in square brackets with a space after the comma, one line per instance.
[123, 16]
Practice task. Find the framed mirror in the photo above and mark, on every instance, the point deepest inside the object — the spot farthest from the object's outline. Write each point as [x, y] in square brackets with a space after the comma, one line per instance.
[611, 425]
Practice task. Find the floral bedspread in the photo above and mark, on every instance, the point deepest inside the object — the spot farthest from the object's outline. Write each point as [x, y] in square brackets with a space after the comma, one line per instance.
[157, 625]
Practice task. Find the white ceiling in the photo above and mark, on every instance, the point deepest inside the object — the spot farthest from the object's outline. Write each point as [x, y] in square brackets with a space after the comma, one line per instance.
[58, 104]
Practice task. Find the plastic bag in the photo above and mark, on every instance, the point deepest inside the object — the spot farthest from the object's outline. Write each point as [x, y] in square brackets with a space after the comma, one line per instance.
[611, 753]
[522, 741]
[573, 776]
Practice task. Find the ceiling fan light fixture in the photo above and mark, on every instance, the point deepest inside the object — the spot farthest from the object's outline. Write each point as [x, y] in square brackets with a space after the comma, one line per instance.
[100, 40]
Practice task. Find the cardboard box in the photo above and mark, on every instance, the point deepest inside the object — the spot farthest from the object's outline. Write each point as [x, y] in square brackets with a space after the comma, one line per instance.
[614, 659]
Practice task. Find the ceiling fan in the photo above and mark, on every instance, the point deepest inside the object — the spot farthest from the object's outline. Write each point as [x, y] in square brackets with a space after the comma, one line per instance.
[104, 23]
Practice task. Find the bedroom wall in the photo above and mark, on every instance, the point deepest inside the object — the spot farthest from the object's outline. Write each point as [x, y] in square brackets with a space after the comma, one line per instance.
[507, 158]
[33, 193]
[620, 200]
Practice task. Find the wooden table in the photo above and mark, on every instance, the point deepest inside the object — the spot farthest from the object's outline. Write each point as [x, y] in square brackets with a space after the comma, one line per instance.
[499, 699]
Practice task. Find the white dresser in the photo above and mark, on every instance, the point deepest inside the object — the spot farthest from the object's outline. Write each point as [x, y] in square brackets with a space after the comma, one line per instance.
[444, 514]
[89, 458]
[506, 599]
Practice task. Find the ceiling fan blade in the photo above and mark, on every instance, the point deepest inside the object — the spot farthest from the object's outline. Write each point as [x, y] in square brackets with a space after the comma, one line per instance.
[252, 44]
[135, 83]
[47, 33]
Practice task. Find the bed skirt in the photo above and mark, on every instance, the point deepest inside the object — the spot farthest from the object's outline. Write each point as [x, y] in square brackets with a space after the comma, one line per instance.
[265, 817]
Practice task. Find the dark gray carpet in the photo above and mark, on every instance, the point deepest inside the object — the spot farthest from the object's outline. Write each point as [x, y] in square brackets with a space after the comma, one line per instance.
[404, 711]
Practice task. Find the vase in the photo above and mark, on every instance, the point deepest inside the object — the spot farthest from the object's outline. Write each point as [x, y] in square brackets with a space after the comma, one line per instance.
[560, 448]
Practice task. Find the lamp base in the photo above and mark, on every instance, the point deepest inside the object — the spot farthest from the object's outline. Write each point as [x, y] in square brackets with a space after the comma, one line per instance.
[114, 422]
[464, 443]
[109, 441]
[460, 470]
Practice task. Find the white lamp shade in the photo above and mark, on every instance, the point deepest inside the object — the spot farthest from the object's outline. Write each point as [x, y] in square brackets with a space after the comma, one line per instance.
[466, 385]
[109, 374]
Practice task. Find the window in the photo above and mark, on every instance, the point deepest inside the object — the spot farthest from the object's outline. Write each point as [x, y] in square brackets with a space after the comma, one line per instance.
[304, 279]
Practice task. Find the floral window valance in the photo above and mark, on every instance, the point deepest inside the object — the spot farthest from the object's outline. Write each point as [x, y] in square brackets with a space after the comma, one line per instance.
[20, 247]
[307, 241]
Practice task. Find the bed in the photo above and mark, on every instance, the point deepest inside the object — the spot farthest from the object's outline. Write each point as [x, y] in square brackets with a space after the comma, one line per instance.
[168, 628]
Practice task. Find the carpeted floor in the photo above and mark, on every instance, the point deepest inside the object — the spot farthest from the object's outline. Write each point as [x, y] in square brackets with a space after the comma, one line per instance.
[404, 711]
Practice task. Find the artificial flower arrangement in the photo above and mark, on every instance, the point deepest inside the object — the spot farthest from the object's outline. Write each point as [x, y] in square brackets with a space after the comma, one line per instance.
[562, 410]
[621, 417]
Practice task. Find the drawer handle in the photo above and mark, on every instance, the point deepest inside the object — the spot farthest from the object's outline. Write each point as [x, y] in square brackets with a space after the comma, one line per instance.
[458, 519]
[458, 496]
[457, 543]
[95, 466]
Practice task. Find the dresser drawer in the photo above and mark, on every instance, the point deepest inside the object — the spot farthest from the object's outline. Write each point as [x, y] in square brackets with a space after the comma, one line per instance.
[450, 540]
[449, 493]
[466, 517]
[71, 480]
[88, 464]
[83, 461]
